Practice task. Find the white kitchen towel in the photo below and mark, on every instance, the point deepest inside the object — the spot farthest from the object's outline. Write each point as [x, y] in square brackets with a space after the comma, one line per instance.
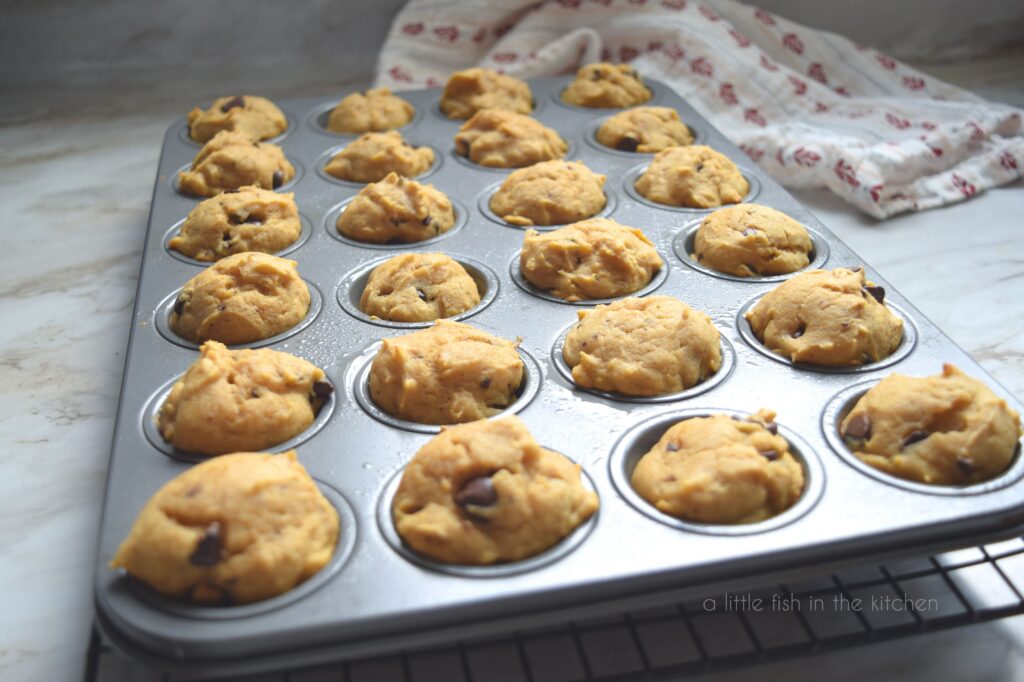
[812, 108]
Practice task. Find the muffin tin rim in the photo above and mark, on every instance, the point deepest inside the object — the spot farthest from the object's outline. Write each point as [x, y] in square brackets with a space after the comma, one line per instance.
[839, 405]
[814, 474]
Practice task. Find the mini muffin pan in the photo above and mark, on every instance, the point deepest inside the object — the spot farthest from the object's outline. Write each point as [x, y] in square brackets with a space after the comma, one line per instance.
[377, 596]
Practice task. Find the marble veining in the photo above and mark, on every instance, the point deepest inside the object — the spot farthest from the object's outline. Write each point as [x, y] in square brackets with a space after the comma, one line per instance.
[76, 174]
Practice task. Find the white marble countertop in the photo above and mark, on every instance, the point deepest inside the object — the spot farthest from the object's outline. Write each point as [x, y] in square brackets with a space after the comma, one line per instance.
[76, 175]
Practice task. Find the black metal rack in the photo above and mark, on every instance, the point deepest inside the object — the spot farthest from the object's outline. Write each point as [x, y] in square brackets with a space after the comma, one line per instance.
[855, 606]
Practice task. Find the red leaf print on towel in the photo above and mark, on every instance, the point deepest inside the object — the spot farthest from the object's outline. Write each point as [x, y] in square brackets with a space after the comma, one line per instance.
[708, 13]
[966, 188]
[606, 54]
[876, 191]
[399, 74]
[764, 17]
[413, 29]
[844, 171]
[727, 94]
[841, 91]
[571, 4]
[799, 86]
[935, 150]
[928, 125]
[480, 36]
[817, 72]
[1007, 161]
[752, 152]
[675, 52]
[778, 157]
[794, 43]
[805, 157]
[654, 45]
[755, 117]
[505, 57]
[449, 33]
[676, 5]
[502, 30]
[897, 122]
[887, 62]
[740, 39]
[638, 2]
[432, 82]
[628, 53]
[604, 3]
[701, 66]
[768, 64]
[820, 107]
[976, 132]
[913, 83]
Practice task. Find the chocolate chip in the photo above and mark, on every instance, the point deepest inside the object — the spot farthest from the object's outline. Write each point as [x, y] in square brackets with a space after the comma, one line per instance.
[770, 455]
[478, 492]
[231, 191]
[628, 144]
[772, 428]
[179, 305]
[966, 465]
[915, 437]
[595, 75]
[700, 167]
[462, 147]
[485, 382]
[858, 428]
[207, 552]
[237, 101]
[421, 294]
[226, 237]
[855, 269]
[799, 331]
[426, 221]
[671, 447]
[877, 292]
[322, 389]
[278, 178]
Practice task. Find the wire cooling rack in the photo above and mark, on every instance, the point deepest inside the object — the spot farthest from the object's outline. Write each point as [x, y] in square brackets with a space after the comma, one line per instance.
[853, 607]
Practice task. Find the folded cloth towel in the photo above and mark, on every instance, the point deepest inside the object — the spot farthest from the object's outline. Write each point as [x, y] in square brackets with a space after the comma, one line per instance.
[812, 108]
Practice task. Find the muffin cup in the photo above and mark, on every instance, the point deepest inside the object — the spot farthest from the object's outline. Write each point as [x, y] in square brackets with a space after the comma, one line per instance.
[331, 226]
[632, 175]
[304, 234]
[484, 203]
[520, 280]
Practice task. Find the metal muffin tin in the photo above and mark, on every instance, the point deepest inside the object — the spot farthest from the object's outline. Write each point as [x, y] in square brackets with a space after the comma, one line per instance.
[376, 597]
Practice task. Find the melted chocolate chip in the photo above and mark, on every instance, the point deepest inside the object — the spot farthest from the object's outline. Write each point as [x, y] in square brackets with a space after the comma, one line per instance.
[628, 144]
[322, 389]
[426, 221]
[915, 437]
[478, 492]
[877, 292]
[485, 382]
[799, 331]
[770, 455]
[237, 101]
[595, 75]
[671, 447]
[700, 167]
[966, 465]
[278, 179]
[421, 294]
[771, 427]
[855, 269]
[226, 237]
[179, 305]
[207, 552]
[858, 428]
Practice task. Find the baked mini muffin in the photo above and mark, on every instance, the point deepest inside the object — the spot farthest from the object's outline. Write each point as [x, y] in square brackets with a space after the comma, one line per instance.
[550, 193]
[241, 400]
[240, 299]
[371, 157]
[238, 220]
[396, 211]
[445, 374]
[372, 111]
[469, 91]
[503, 139]
[418, 287]
[588, 260]
[234, 529]
[643, 347]
[827, 317]
[231, 160]
[645, 130]
[694, 176]
[606, 86]
[947, 429]
[487, 492]
[750, 240]
[721, 470]
[257, 117]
